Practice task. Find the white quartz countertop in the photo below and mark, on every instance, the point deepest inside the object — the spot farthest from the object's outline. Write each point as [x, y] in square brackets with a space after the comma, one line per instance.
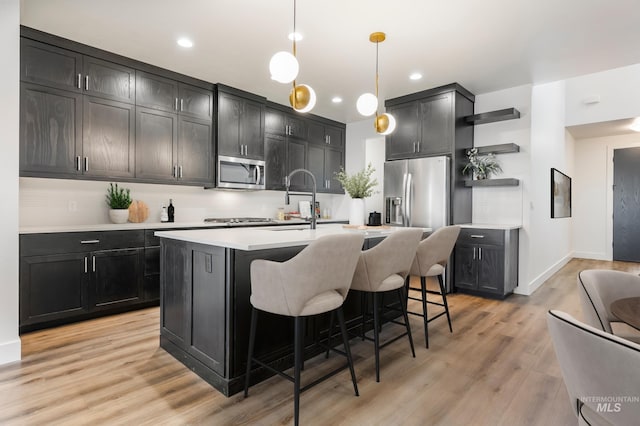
[143, 225]
[503, 227]
[268, 237]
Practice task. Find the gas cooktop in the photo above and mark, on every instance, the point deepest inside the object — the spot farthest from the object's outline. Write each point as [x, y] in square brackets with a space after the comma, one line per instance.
[239, 220]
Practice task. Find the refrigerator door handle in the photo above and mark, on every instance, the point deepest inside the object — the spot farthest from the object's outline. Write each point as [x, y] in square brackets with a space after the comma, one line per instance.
[408, 200]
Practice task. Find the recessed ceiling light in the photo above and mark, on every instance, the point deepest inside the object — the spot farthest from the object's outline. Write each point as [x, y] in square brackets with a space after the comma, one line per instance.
[635, 126]
[185, 42]
[295, 35]
[336, 99]
[415, 76]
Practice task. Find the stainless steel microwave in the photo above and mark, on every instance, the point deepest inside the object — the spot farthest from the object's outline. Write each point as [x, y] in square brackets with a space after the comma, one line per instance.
[240, 173]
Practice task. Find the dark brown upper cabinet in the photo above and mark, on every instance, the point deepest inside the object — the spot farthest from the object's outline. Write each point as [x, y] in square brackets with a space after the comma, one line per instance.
[241, 124]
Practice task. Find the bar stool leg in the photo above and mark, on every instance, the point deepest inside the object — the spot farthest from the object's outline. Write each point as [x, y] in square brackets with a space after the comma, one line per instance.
[376, 337]
[298, 338]
[406, 320]
[363, 305]
[444, 300]
[347, 349]
[252, 338]
[423, 285]
[329, 333]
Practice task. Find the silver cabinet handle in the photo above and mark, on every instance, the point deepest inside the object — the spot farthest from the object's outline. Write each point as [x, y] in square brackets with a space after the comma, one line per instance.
[176, 104]
[86, 164]
[93, 261]
[414, 147]
[79, 81]
[86, 82]
[85, 265]
[258, 175]
[89, 241]
[175, 171]
[474, 253]
[78, 163]
[329, 139]
[180, 172]
[181, 104]
[476, 236]
[479, 253]
[418, 146]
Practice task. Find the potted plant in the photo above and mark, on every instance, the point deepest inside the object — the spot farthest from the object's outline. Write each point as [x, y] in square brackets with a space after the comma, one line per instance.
[359, 186]
[480, 167]
[118, 200]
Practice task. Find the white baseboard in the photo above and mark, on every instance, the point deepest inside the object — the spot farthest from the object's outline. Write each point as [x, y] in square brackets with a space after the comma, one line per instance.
[540, 279]
[591, 255]
[10, 351]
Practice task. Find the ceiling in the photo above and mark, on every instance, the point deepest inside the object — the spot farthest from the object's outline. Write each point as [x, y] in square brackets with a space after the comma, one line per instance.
[484, 45]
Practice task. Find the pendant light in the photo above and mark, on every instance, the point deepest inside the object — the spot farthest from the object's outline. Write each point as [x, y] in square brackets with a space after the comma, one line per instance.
[367, 104]
[284, 68]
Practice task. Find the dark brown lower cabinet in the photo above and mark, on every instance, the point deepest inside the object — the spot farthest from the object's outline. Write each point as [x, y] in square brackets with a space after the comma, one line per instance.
[66, 277]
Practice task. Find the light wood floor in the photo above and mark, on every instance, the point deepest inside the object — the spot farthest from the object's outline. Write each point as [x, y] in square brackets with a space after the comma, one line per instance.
[497, 368]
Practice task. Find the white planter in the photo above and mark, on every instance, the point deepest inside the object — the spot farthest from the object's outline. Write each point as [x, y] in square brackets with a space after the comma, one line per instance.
[119, 215]
[356, 212]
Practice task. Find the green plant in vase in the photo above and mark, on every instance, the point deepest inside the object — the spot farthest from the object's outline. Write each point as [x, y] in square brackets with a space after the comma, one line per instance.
[481, 166]
[118, 200]
[359, 186]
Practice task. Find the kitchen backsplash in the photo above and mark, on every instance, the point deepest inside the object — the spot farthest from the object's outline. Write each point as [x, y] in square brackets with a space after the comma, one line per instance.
[54, 202]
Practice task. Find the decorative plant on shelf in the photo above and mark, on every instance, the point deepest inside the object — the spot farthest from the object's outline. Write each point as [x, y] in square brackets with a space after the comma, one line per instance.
[481, 166]
[358, 185]
[118, 198]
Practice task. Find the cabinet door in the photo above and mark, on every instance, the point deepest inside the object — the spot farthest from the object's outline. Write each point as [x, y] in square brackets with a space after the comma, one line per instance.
[195, 101]
[333, 162]
[229, 123]
[315, 164]
[335, 136]
[275, 169]
[316, 133]
[117, 278]
[108, 138]
[403, 141]
[156, 92]
[50, 130]
[465, 266]
[51, 66]
[53, 287]
[491, 269]
[436, 125]
[109, 80]
[252, 129]
[274, 121]
[297, 127]
[156, 144]
[296, 156]
[195, 151]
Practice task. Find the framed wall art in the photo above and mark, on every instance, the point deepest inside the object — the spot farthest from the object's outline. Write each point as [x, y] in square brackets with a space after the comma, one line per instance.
[560, 194]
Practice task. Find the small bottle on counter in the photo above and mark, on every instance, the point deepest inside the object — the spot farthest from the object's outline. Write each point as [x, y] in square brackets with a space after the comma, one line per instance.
[281, 213]
[164, 215]
[171, 211]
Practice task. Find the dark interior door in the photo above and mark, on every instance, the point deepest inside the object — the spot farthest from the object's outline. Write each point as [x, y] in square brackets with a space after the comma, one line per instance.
[626, 204]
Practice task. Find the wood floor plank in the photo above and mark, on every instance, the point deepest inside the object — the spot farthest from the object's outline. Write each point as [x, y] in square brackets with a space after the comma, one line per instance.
[497, 367]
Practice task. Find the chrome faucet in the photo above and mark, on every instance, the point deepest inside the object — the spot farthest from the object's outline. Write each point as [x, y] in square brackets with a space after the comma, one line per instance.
[287, 182]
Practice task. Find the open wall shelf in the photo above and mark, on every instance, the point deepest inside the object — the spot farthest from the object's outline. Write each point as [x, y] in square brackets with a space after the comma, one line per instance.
[493, 116]
[492, 182]
[504, 148]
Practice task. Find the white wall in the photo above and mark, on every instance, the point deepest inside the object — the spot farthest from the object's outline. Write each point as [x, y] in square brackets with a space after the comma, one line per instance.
[618, 90]
[375, 154]
[593, 194]
[9, 88]
[79, 202]
[550, 240]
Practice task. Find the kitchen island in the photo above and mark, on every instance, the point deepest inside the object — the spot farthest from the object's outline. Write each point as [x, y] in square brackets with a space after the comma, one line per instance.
[204, 299]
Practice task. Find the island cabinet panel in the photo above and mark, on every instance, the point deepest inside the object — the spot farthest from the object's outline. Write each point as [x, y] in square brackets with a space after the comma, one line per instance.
[175, 296]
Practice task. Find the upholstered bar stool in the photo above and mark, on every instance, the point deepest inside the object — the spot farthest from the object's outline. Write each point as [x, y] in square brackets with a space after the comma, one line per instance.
[313, 282]
[382, 269]
[431, 258]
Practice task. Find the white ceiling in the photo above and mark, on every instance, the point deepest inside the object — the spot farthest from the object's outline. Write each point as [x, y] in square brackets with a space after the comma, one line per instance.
[485, 45]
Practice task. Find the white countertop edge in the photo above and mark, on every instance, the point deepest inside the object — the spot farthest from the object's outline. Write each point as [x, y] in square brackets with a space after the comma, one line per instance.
[44, 229]
[490, 226]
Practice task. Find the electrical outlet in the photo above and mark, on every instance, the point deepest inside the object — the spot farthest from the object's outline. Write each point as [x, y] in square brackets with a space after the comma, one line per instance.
[73, 206]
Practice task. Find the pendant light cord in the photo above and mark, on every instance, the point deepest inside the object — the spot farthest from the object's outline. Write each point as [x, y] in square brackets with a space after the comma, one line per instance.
[377, 43]
[295, 100]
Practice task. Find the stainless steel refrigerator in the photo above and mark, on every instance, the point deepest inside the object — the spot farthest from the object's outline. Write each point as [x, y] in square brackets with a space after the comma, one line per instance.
[416, 192]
